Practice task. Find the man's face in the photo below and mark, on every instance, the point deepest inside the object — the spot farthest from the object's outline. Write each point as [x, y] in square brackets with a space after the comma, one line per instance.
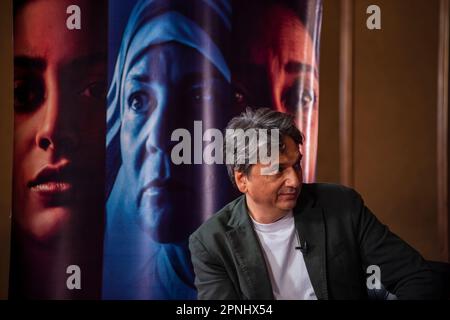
[276, 67]
[59, 88]
[277, 193]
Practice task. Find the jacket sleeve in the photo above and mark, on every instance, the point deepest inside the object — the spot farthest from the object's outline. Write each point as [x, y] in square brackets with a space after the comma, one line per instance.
[403, 271]
[211, 279]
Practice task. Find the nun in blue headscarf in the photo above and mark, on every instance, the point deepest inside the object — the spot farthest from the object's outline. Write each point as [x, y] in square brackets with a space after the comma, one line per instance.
[171, 70]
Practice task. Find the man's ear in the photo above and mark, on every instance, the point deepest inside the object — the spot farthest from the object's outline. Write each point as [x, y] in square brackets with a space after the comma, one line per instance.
[241, 181]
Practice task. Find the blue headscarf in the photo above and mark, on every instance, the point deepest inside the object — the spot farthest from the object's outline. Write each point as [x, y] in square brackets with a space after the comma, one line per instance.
[161, 271]
[199, 24]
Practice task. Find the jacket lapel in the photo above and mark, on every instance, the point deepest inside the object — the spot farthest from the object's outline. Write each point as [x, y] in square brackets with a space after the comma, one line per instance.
[309, 222]
[247, 251]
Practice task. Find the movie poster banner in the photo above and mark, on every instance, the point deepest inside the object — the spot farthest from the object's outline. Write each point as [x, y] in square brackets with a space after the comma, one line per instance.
[119, 109]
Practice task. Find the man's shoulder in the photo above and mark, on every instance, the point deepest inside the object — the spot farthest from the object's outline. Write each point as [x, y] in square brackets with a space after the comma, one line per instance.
[329, 191]
[331, 196]
[218, 222]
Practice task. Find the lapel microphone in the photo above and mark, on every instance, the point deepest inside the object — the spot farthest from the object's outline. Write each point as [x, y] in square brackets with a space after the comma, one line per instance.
[303, 247]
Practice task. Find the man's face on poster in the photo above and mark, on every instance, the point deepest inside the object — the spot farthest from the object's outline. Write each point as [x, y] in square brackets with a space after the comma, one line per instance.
[275, 67]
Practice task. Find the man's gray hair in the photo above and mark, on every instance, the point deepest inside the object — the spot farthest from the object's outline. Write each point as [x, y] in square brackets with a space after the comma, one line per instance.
[261, 118]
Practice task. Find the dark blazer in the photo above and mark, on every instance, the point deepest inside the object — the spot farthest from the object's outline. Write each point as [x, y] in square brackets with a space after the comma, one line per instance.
[342, 236]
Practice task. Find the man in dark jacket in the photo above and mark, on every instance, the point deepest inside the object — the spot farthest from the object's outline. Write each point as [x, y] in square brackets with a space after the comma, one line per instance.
[286, 240]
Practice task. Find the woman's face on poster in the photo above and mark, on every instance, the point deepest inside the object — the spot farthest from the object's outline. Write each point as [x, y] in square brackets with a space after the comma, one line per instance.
[167, 87]
[59, 103]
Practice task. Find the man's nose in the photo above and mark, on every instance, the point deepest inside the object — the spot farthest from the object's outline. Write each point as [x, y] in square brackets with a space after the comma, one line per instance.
[293, 178]
[275, 84]
[55, 131]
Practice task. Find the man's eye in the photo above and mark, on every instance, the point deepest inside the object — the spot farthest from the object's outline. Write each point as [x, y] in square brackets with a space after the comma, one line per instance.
[307, 98]
[28, 94]
[96, 90]
[298, 96]
[141, 102]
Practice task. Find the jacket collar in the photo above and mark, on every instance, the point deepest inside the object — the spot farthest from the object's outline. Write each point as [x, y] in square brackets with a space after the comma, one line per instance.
[248, 252]
[310, 227]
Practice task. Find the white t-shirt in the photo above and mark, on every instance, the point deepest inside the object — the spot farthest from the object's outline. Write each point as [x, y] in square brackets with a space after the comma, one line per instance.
[286, 266]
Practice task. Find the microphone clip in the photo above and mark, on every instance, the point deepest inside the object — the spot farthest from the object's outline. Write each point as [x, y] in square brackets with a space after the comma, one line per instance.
[302, 245]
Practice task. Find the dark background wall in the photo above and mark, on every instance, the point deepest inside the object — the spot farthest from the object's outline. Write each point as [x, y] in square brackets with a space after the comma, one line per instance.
[395, 86]
[391, 115]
